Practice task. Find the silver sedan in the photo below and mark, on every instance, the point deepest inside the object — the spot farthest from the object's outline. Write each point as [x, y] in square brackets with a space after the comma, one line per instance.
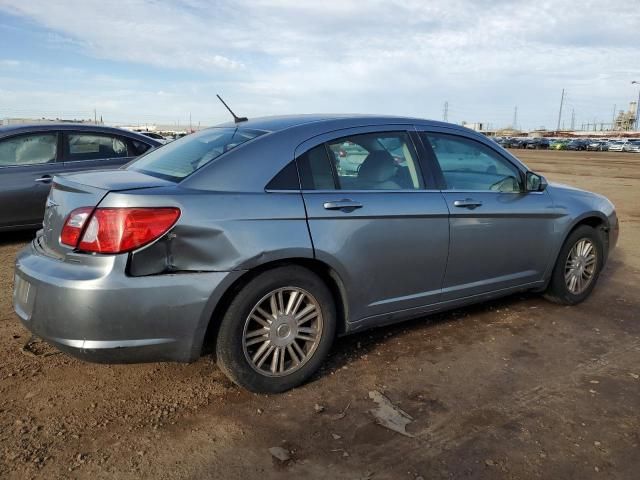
[267, 238]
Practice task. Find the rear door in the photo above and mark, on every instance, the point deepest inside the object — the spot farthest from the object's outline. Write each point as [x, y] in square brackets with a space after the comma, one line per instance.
[500, 233]
[28, 163]
[90, 150]
[375, 219]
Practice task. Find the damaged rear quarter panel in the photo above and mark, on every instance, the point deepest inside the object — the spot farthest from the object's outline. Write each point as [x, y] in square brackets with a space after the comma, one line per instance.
[219, 231]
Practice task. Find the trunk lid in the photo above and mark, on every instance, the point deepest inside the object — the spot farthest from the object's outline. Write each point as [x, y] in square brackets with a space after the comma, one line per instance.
[84, 190]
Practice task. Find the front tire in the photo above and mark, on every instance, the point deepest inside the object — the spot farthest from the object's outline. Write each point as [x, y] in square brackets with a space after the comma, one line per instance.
[277, 331]
[577, 268]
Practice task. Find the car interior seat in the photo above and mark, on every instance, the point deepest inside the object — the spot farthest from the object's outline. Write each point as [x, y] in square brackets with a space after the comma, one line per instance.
[377, 172]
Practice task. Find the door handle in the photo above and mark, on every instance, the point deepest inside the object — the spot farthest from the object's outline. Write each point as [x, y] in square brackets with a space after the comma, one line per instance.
[467, 203]
[44, 179]
[344, 205]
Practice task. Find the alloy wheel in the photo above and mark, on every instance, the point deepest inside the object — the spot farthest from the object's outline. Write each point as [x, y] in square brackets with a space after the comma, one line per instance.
[580, 267]
[282, 331]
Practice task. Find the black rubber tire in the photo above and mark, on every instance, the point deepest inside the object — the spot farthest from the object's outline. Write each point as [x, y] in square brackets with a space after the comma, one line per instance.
[557, 290]
[229, 351]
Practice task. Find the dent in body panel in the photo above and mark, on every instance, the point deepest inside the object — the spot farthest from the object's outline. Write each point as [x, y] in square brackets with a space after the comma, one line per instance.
[221, 231]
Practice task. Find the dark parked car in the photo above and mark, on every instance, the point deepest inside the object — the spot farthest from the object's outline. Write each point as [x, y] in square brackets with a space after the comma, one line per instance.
[577, 145]
[30, 155]
[517, 143]
[538, 144]
[252, 239]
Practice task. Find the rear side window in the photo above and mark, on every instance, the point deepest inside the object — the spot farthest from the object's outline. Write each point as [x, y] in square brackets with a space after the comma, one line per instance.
[138, 147]
[179, 159]
[90, 146]
[286, 179]
[28, 150]
[315, 170]
[372, 161]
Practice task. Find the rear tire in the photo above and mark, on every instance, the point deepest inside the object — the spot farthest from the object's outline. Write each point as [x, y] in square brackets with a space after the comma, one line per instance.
[577, 267]
[277, 331]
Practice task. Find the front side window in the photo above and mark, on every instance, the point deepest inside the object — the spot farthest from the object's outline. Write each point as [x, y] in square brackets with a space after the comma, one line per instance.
[28, 150]
[90, 146]
[179, 159]
[372, 161]
[470, 165]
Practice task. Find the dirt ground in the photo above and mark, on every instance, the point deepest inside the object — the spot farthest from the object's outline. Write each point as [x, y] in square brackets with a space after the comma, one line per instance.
[516, 388]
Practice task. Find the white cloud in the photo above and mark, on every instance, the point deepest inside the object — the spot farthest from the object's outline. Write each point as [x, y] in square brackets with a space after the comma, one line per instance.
[388, 56]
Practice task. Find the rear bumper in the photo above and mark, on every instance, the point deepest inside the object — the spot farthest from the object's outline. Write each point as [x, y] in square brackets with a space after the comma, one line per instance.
[96, 312]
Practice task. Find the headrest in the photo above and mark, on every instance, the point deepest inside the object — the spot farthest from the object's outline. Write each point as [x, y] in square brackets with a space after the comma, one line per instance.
[378, 167]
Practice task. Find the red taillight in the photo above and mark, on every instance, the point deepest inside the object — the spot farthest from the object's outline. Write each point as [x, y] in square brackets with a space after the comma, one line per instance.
[73, 226]
[117, 230]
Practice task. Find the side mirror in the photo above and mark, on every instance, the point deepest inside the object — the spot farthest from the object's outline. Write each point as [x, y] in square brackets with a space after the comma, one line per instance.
[535, 182]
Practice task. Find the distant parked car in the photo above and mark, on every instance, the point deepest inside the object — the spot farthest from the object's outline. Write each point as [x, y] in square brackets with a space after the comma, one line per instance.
[597, 145]
[30, 155]
[518, 143]
[632, 146]
[629, 145]
[558, 145]
[538, 143]
[245, 239]
[577, 145]
[617, 146]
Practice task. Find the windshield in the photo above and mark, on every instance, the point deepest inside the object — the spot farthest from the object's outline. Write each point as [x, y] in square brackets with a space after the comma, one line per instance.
[181, 158]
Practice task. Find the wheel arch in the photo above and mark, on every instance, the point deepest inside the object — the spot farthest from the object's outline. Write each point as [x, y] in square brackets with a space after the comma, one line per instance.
[327, 274]
[596, 220]
[593, 219]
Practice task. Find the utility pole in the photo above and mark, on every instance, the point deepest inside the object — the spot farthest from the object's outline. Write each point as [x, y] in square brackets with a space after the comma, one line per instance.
[190, 129]
[637, 107]
[613, 118]
[95, 117]
[560, 111]
[515, 118]
[573, 119]
[445, 112]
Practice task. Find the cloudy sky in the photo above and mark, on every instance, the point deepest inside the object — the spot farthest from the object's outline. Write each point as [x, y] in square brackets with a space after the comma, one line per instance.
[159, 61]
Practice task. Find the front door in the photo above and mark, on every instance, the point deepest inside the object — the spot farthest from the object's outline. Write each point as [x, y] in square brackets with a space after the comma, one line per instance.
[373, 219]
[500, 234]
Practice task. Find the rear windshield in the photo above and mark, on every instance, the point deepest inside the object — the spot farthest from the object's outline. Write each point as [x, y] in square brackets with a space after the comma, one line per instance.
[179, 159]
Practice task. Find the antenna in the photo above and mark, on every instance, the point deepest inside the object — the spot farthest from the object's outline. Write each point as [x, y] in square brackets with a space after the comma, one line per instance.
[236, 119]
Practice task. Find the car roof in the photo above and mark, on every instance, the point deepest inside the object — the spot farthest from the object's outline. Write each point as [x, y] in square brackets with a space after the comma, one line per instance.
[8, 130]
[252, 165]
[284, 122]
